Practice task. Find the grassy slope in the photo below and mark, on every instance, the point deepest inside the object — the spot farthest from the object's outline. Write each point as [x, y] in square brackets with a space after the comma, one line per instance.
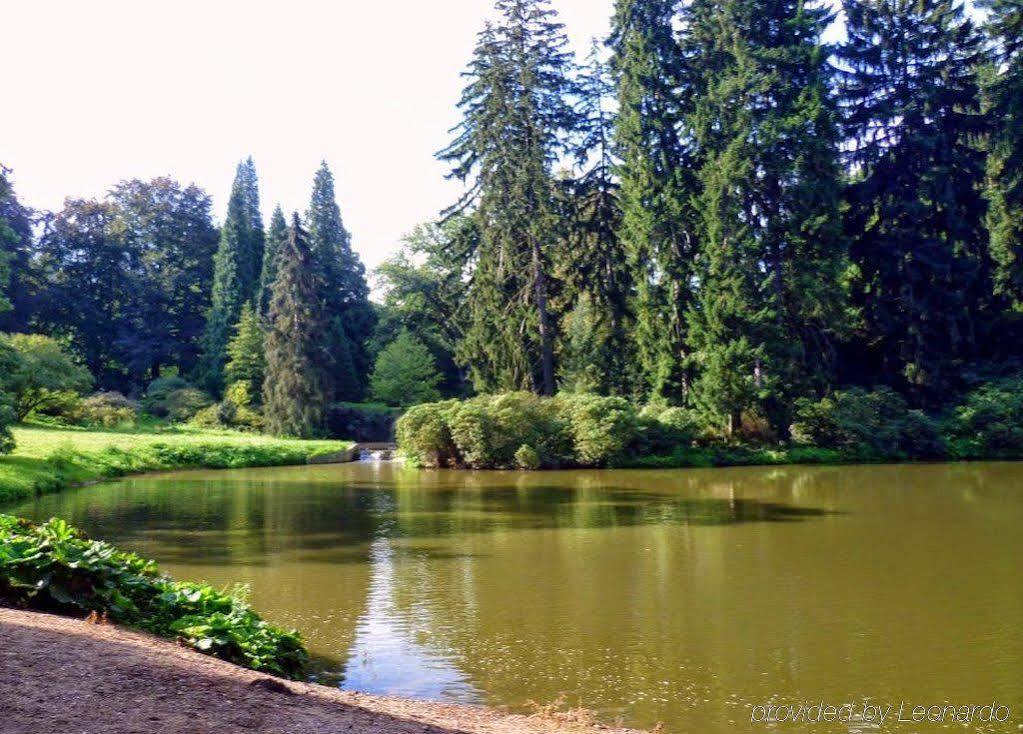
[48, 459]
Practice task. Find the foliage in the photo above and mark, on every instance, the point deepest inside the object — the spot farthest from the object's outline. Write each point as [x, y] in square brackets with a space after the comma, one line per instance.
[236, 410]
[405, 373]
[55, 568]
[601, 427]
[877, 423]
[276, 238]
[109, 409]
[364, 422]
[424, 436]
[51, 459]
[246, 359]
[988, 423]
[298, 386]
[236, 273]
[8, 415]
[43, 373]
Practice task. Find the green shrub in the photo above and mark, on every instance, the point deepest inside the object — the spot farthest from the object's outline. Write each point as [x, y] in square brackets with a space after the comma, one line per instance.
[184, 404]
[662, 429]
[109, 409]
[876, 423]
[527, 458]
[155, 401]
[41, 373]
[988, 423]
[55, 568]
[425, 437]
[601, 427]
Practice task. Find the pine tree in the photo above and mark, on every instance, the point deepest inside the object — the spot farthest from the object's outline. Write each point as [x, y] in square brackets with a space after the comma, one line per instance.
[1005, 163]
[514, 115]
[594, 269]
[297, 388]
[763, 327]
[915, 209]
[16, 278]
[346, 294]
[276, 238]
[656, 179]
[236, 273]
[246, 356]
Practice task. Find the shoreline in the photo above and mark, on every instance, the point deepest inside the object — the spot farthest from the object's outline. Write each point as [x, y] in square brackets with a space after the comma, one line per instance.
[64, 674]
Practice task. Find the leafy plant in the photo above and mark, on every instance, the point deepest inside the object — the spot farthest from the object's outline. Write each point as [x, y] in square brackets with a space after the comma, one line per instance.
[55, 568]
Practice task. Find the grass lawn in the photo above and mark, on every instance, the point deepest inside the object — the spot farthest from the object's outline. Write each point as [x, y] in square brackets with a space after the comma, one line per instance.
[48, 459]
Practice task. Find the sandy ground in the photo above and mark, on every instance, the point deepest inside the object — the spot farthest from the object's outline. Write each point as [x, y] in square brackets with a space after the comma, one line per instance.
[64, 676]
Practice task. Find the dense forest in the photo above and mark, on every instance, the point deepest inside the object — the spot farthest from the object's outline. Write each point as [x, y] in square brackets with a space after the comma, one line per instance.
[713, 210]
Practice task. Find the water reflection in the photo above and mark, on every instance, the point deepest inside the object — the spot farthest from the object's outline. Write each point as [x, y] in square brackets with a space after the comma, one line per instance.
[675, 596]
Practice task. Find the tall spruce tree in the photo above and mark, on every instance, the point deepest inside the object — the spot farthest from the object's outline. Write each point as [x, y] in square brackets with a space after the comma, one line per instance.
[276, 238]
[298, 385]
[16, 272]
[657, 186]
[915, 207]
[236, 273]
[348, 312]
[598, 282]
[514, 116]
[1005, 163]
[764, 324]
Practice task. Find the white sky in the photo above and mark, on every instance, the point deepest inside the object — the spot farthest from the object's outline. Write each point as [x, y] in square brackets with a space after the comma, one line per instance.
[95, 92]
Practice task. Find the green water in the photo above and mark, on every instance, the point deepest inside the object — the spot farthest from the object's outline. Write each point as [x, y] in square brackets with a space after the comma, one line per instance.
[684, 597]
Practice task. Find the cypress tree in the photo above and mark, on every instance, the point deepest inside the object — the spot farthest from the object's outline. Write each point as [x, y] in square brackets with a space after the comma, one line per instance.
[276, 237]
[514, 115]
[236, 273]
[1005, 163]
[764, 324]
[345, 296]
[915, 207]
[297, 387]
[656, 188]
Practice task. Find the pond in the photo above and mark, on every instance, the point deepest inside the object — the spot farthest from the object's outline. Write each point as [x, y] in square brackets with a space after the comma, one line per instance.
[685, 597]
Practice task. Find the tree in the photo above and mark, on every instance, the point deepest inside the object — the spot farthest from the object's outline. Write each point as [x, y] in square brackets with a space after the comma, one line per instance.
[15, 253]
[514, 118]
[1005, 162]
[236, 273]
[598, 281]
[298, 387]
[915, 208]
[246, 360]
[276, 237]
[43, 373]
[656, 178]
[405, 373]
[765, 321]
[349, 314]
[8, 366]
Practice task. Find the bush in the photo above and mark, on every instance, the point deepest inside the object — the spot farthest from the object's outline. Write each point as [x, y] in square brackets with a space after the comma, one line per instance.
[108, 409]
[527, 458]
[988, 423]
[663, 429]
[186, 403]
[424, 436]
[40, 374]
[55, 568]
[877, 424]
[155, 401]
[601, 427]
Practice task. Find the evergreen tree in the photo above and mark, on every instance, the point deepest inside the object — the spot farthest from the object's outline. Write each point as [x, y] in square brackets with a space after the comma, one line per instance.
[297, 388]
[514, 116]
[246, 358]
[595, 268]
[16, 272]
[656, 188]
[346, 295]
[916, 211]
[763, 327]
[276, 237]
[1005, 163]
[236, 273]
[405, 373]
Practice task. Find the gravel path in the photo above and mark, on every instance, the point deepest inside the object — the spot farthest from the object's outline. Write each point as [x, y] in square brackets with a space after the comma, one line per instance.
[67, 676]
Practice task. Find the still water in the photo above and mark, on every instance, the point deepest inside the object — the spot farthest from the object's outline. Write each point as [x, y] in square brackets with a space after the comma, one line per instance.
[684, 597]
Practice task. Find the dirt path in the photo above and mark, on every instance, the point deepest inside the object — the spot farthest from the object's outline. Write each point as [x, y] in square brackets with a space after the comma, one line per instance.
[60, 675]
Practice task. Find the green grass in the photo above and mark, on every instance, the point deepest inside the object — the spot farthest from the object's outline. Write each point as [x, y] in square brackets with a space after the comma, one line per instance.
[48, 459]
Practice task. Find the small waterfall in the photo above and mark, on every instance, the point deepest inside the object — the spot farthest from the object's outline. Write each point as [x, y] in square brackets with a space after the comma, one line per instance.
[377, 452]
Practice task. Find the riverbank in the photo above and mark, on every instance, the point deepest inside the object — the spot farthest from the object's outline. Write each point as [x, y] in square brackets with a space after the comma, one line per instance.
[66, 675]
[48, 459]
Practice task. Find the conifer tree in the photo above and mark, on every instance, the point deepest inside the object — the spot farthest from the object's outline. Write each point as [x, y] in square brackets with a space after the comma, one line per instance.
[764, 324]
[595, 268]
[1005, 163]
[405, 373]
[916, 211]
[656, 179]
[514, 117]
[276, 237]
[298, 387]
[246, 352]
[15, 259]
[349, 315]
[236, 273]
